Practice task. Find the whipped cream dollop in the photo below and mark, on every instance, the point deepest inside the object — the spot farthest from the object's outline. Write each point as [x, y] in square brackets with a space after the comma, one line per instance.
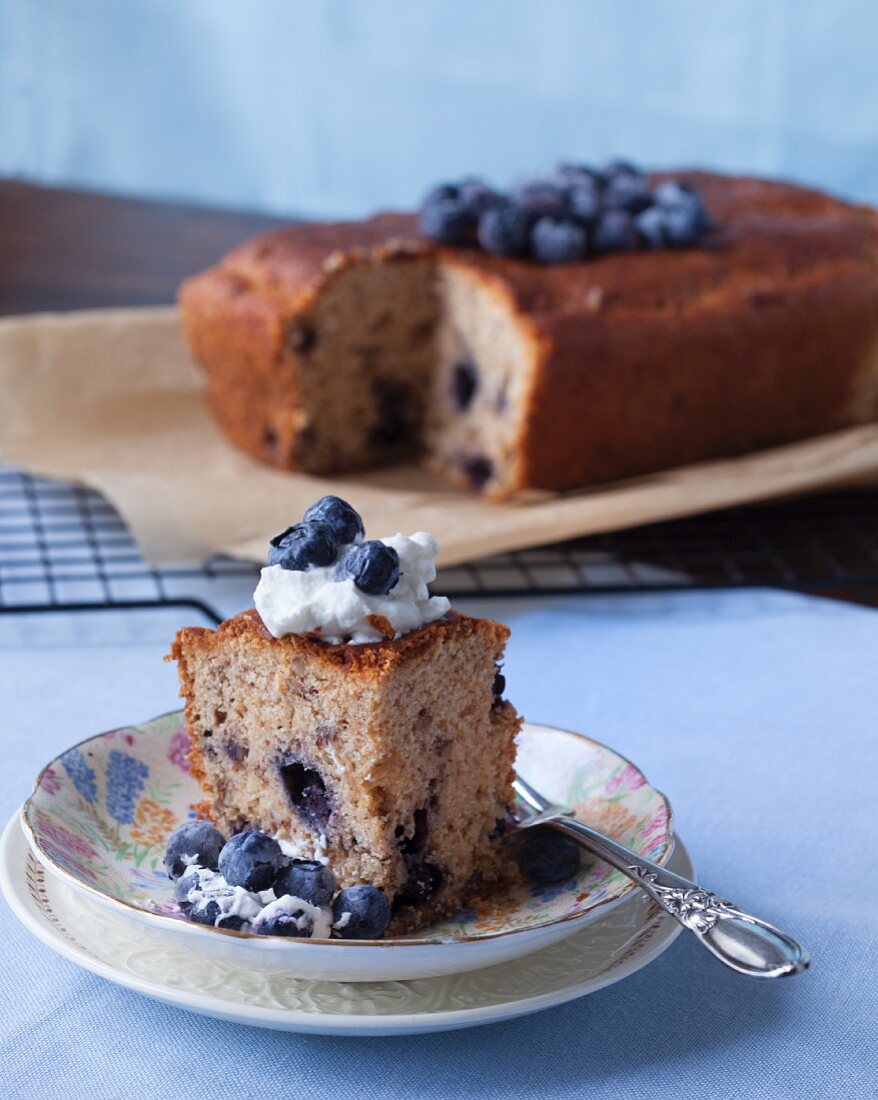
[294, 601]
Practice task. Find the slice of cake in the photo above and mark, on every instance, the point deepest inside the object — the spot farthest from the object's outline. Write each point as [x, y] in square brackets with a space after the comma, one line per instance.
[357, 718]
[331, 347]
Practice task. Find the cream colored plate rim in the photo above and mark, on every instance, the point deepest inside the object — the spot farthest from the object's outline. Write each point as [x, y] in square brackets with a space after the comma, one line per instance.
[14, 855]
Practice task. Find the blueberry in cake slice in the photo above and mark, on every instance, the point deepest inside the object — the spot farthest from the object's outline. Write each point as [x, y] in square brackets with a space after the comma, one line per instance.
[357, 719]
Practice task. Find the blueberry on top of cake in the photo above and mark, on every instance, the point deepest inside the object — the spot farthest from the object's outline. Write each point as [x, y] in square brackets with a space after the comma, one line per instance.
[576, 213]
[324, 578]
[360, 722]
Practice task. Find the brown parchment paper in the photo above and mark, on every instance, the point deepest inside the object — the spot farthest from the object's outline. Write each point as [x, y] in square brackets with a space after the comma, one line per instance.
[110, 398]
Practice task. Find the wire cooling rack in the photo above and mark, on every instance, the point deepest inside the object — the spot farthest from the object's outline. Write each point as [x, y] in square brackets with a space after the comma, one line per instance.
[64, 546]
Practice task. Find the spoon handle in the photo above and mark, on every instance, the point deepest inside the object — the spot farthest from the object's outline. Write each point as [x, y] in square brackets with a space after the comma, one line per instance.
[743, 942]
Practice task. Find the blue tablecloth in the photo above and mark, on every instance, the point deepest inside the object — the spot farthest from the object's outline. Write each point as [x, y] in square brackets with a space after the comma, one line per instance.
[755, 711]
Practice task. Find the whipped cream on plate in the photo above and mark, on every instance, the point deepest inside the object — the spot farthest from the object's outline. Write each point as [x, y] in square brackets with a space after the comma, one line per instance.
[315, 921]
[294, 601]
[313, 848]
[254, 906]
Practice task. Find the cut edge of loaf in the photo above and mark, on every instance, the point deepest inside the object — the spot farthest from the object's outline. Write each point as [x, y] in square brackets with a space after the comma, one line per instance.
[320, 382]
[475, 433]
[393, 333]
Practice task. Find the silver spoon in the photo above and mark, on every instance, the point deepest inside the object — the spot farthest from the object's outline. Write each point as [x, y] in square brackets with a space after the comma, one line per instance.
[744, 943]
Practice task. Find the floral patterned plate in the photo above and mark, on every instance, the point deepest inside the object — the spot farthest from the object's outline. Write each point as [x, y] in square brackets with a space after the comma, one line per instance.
[101, 813]
[617, 943]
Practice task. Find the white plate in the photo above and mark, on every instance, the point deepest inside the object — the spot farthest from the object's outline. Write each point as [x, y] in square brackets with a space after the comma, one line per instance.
[620, 942]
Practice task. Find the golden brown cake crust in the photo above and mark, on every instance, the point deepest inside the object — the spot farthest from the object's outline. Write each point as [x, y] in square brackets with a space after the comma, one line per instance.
[766, 334]
[366, 659]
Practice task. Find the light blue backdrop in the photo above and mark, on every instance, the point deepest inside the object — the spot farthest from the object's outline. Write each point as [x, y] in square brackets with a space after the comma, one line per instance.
[336, 107]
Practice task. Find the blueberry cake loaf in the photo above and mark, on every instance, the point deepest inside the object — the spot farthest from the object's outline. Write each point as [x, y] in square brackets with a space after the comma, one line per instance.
[585, 330]
[357, 717]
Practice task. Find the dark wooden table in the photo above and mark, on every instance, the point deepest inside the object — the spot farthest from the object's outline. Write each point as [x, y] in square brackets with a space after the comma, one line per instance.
[62, 249]
[65, 249]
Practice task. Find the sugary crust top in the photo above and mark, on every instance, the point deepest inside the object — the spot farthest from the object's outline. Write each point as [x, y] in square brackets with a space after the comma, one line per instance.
[368, 659]
[767, 233]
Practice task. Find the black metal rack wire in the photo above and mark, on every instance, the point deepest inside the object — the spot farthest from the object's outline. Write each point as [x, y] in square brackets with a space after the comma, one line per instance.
[64, 547]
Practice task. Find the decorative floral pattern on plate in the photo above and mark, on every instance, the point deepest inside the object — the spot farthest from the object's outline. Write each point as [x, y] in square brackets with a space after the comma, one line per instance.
[103, 811]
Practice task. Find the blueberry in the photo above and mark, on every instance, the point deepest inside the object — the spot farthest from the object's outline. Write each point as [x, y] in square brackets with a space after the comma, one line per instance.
[342, 520]
[193, 842]
[415, 843]
[306, 790]
[302, 546]
[504, 229]
[208, 911]
[284, 918]
[674, 195]
[502, 826]
[476, 196]
[558, 241]
[446, 220]
[499, 683]
[301, 336]
[683, 226]
[373, 565]
[189, 879]
[677, 226]
[584, 201]
[251, 860]
[478, 468]
[440, 192]
[233, 921]
[545, 856]
[651, 226]
[620, 168]
[464, 383]
[393, 413]
[541, 198]
[307, 879]
[360, 913]
[234, 750]
[205, 911]
[627, 192]
[575, 174]
[425, 879]
[472, 195]
[614, 231]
